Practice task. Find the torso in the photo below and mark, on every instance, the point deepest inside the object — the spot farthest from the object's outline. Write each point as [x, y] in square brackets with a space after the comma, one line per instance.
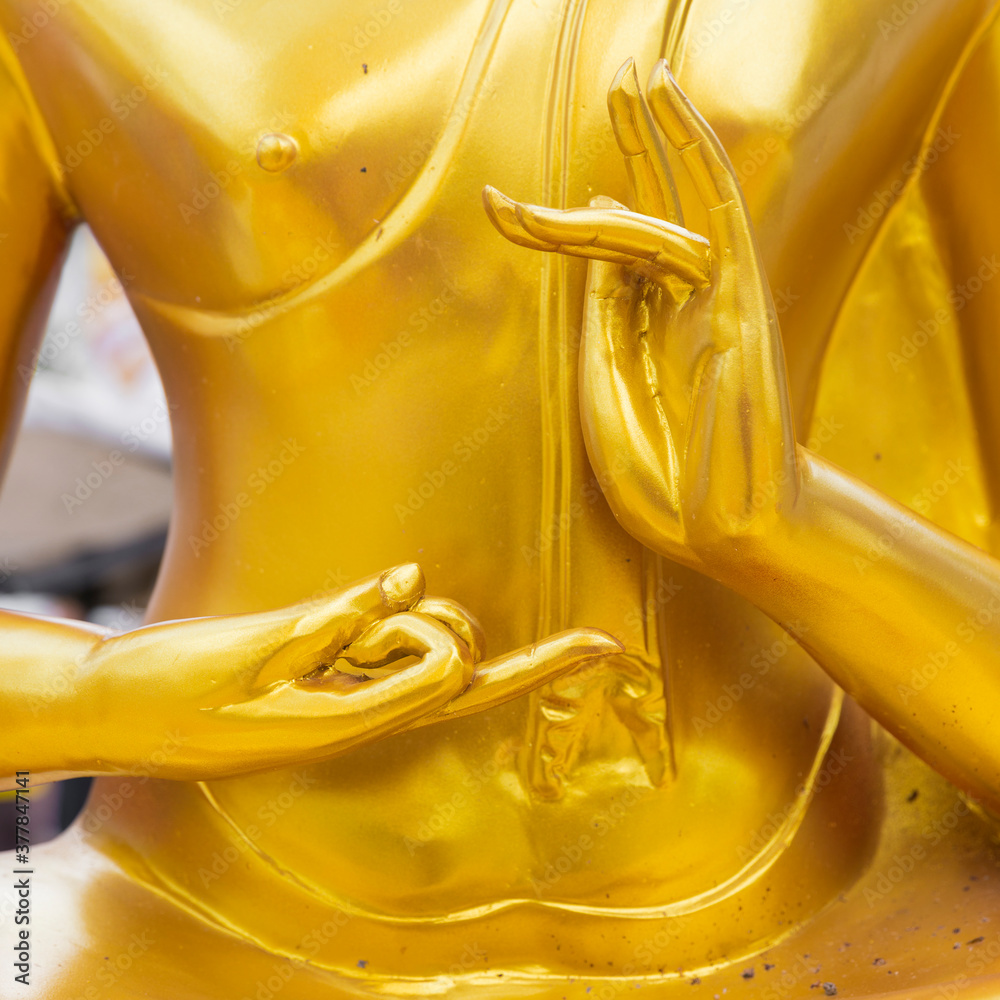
[359, 304]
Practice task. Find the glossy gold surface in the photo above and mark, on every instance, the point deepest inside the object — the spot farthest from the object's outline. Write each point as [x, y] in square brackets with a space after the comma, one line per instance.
[724, 392]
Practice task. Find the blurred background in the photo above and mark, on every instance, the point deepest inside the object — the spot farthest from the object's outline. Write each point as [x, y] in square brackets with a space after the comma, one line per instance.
[86, 500]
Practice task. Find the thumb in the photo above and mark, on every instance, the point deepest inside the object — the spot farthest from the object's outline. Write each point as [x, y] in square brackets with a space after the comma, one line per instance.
[323, 625]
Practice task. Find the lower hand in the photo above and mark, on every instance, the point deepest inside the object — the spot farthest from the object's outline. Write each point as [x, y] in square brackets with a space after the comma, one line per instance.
[240, 693]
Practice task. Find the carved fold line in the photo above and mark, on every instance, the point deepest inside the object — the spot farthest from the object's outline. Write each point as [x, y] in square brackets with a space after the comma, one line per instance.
[399, 224]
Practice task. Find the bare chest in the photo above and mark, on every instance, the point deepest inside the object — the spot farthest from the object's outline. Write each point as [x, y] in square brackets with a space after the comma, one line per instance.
[211, 144]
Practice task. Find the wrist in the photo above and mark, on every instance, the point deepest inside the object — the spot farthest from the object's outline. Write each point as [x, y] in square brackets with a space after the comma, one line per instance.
[836, 540]
[785, 545]
[113, 715]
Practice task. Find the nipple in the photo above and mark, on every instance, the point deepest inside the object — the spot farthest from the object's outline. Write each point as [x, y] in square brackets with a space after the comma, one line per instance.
[276, 151]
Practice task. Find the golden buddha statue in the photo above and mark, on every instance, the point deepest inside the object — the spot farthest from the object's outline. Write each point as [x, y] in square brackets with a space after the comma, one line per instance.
[780, 783]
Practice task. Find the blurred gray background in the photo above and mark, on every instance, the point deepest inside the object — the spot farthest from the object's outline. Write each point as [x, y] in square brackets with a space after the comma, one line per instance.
[86, 500]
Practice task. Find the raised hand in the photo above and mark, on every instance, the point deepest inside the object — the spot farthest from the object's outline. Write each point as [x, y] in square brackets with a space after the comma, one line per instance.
[683, 391]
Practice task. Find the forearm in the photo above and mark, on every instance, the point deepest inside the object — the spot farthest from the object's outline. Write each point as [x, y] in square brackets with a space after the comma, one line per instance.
[902, 614]
[43, 663]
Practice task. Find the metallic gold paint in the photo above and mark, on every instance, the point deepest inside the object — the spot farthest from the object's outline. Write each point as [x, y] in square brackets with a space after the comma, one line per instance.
[629, 445]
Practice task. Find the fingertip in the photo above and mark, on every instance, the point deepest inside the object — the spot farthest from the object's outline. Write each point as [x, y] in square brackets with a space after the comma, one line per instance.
[477, 645]
[661, 75]
[496, 202]
[501, 211]
[670, 106]
[626, 82]
[674, 106]
[490, 197]
[596, 642]
[661, 86]
[581, 644]
[603, 201]
[460, 620]
[625, 106]
[402, 586]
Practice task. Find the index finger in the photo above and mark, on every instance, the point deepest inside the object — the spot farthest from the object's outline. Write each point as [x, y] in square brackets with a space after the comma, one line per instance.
[705, 159]
[645, 161]
[323, 625]
[365, 601]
